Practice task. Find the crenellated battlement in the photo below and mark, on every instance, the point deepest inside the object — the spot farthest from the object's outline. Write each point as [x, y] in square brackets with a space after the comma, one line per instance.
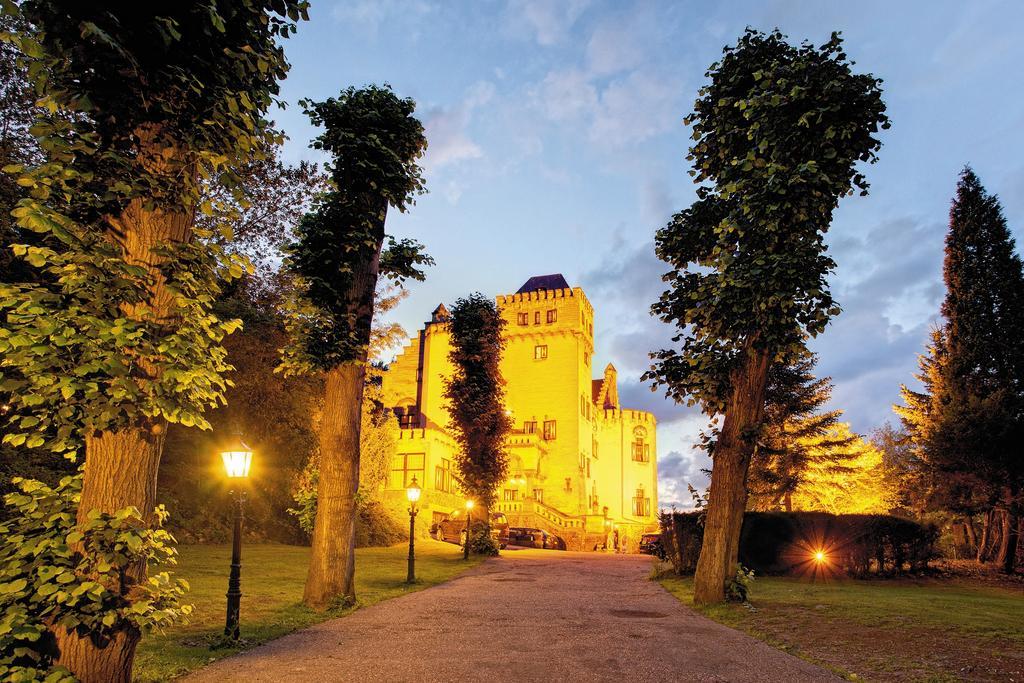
[545, 296]
[628, 414]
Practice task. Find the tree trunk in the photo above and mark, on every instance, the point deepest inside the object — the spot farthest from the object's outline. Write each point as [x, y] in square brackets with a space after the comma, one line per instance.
[728, 496]
[332, 565]
[972, 535]
[789, 501]
[121, 467]
[986, 533]
[1007, 557]
[332, 561]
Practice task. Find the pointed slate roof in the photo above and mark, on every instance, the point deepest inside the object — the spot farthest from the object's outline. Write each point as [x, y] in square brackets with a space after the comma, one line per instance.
[541, 282]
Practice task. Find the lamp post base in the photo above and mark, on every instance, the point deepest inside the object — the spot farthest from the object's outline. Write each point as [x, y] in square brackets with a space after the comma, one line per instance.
[411, 578]
[235, 578]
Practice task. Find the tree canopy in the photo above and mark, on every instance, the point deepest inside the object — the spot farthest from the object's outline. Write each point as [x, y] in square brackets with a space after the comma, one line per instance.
[777, 134]
[476, 396]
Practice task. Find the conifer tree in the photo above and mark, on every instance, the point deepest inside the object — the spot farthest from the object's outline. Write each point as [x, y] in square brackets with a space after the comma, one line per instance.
[859, 486]
[798, 434]
[973, 404]
[476, 398]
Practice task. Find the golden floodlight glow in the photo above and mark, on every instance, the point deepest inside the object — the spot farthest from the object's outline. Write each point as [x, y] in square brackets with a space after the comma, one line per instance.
[413, 492]
[469, 505]
[819, 556]
[237, 458]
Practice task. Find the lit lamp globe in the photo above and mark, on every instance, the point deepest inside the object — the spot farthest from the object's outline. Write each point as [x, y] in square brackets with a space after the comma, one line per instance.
[413, 491]
[237, 458]
[469, 505]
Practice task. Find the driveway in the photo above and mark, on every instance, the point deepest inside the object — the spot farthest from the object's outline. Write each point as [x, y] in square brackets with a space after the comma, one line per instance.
[530, 615]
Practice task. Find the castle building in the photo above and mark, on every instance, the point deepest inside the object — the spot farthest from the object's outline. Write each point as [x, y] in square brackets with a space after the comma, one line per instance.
[581, 466]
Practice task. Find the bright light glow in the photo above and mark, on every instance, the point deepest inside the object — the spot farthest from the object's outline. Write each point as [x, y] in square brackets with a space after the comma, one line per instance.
[236, 463]
[413, 492]
[469, 505]
[819, 556]
[237, 458]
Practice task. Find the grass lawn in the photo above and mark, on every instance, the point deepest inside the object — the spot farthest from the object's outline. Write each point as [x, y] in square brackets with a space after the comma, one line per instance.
[272, 581]
[885, 630]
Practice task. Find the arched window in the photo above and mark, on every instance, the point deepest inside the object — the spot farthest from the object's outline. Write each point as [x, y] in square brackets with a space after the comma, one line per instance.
[641, 503]
[641, 449]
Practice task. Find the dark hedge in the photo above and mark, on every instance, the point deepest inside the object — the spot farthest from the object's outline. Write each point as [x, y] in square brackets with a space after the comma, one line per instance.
[786, 543]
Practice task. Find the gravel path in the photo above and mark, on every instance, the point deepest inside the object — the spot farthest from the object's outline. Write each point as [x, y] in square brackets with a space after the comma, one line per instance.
[531, 615]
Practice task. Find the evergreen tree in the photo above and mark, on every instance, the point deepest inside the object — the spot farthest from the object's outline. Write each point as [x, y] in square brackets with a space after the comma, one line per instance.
[968, 423]
[858, 486]
[797, 435]
[476, 398]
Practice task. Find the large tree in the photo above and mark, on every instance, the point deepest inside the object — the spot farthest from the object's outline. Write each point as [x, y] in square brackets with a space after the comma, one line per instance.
[375, 143]
[476, 398]
[778, 132]
[799, 435]
[969, 420]
[117, 338]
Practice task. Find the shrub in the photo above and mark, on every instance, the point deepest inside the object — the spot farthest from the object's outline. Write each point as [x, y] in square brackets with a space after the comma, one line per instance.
[55, 573]
[483, 543]
[376, 526]
[738, 587]
[785, 542]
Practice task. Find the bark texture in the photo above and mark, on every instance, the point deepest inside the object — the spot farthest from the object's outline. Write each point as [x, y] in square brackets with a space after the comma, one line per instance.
[121, 467]
[727, 499]
[332, 561]
[331, 573]
[1007, 558]
[986, 533]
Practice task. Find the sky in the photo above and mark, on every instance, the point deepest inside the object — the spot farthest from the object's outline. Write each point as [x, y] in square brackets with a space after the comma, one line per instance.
[557, 145]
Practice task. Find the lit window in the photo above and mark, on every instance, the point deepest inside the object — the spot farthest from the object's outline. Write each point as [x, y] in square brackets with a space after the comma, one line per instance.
[538, 495]
[549, 430]
[404, 468]
[444, 479]
[540, 352]
[641, 451]
[552, 316]
[536, 318]
[529, 428]
[510, 494]
[641, 504]
[523, 318]
[568, 483]
[593, 447]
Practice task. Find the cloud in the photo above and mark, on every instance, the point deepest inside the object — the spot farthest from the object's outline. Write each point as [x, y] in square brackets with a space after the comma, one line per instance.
[635, 108]
[548, 21]
[567, 95]
[370, 14]
[612, 49]
[621, 112]
[448, 141]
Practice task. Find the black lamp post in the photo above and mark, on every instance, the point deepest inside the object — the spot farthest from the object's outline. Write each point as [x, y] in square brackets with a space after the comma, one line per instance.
[413, 494]
[469, 516]
[237, 459]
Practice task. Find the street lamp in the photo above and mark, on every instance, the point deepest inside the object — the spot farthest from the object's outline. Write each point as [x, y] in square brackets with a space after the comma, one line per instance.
[469, 516]
[237, 458]
[413, 494]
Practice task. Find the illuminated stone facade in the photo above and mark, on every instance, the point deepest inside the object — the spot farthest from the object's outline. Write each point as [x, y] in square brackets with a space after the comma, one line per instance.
[581, 466]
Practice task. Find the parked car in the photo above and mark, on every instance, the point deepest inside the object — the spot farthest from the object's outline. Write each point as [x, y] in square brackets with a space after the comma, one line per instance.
[452, 529]
[528, 537]
[650, 544]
